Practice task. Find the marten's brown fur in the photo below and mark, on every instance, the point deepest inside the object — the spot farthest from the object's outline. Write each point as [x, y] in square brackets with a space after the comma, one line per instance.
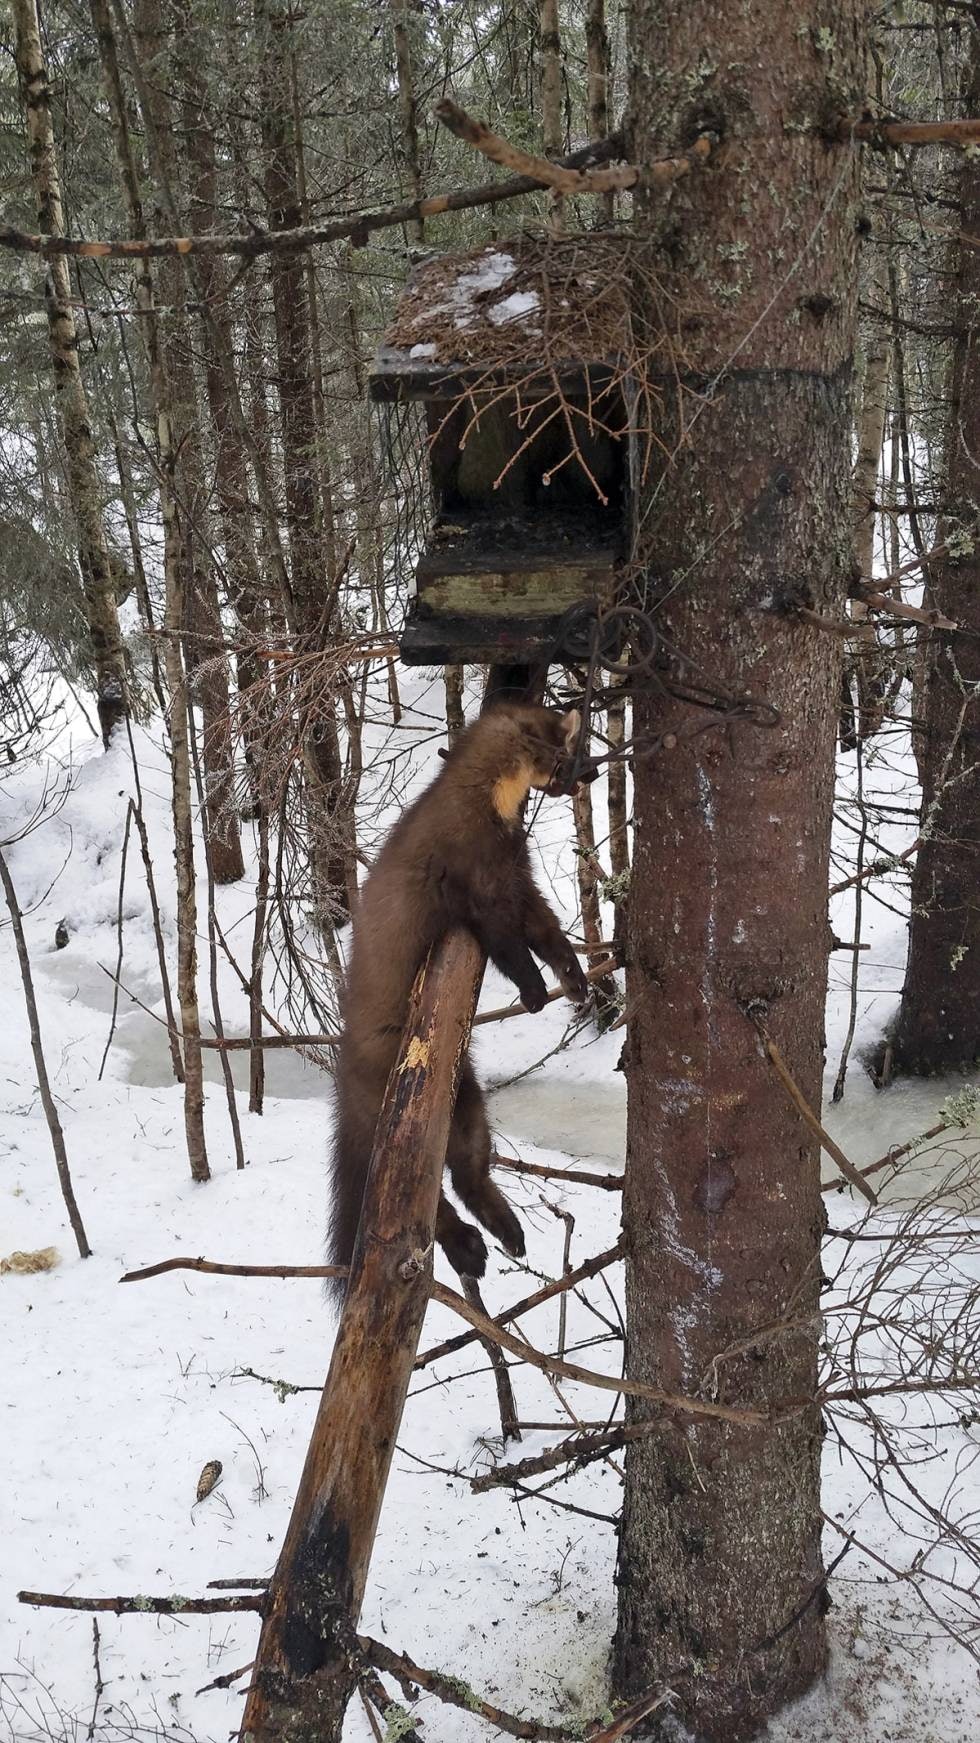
[457, 857]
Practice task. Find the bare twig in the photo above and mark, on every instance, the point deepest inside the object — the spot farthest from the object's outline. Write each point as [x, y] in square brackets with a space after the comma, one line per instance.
[800, 1102]
[589, 1268]
[225, 1681]
[40, 1066]
[456, 1693]
[885, 134]
[99, 1684]
[501, 1374]
[895, 1154]
[610, 1182]
[552, 174]
[597, 972]
[877, 868]
[140, 1605]
[119, 937]
[357, 226]
[604, 1382]
[212, 1266]
[578, 1450]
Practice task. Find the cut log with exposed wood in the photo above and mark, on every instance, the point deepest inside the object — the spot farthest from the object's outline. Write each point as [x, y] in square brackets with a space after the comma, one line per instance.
[306, 1665]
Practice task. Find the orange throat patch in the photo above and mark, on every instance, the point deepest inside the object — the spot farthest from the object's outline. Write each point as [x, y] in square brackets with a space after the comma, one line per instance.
[509, 793]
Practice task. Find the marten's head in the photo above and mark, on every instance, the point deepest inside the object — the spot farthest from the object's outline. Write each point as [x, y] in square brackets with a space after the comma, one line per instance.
[527, 746]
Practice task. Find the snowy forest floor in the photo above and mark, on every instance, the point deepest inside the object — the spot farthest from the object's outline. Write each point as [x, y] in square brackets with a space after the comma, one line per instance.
[114, 1399]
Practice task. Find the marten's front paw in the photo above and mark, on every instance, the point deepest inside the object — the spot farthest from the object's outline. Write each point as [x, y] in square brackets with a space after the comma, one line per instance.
[534, 994]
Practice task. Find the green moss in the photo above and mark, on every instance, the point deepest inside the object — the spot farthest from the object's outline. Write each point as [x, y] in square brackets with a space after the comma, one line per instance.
[398, 1722]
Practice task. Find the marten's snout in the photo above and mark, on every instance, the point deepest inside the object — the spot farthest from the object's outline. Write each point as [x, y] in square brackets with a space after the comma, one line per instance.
[567, 779]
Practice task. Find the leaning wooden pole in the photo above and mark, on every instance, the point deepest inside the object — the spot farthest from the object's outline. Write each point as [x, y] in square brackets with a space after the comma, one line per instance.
[306, 1665]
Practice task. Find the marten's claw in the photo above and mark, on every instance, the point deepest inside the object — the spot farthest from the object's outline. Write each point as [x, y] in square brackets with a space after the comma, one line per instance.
[466, 1251]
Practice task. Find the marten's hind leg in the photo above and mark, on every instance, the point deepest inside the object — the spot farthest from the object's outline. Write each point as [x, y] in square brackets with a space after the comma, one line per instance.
[462, 1244]
[468, 1161]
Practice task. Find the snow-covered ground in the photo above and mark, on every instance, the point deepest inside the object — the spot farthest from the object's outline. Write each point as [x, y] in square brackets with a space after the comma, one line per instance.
[115, 1397]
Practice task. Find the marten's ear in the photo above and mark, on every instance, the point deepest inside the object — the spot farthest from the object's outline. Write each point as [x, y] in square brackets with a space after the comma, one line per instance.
[571, 722]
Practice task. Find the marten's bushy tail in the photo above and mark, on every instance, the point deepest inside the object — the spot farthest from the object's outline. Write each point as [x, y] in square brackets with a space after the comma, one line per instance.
[351, 1159]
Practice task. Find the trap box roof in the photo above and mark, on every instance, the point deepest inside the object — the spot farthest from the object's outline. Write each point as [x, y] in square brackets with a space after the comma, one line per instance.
[534, 311]
[514, 353]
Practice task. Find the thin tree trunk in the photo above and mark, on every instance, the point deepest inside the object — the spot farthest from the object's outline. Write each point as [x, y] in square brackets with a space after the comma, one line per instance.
[128, 498]
[203, 641]
[939, 1021]
[218, 1020]
[868, 674]
[256, 1063]
[619, 852]
[549, 51]
[597, 57]
[81, 471]
[589, 872]
[151, 890]
[44, 1087]
[307, 604]
[455, 718]
[400, 14]
[146, 25]
[719, 1559]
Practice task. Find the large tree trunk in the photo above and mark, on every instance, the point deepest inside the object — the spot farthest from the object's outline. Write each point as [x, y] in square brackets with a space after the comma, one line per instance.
[720, 1563]
[309, 606]
[939, 1022]
[81, 472]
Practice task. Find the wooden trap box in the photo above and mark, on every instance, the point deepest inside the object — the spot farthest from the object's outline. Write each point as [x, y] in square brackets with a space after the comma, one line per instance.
[512, 350]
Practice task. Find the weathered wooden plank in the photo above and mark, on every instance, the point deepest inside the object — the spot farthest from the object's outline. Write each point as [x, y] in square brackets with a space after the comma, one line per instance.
[478, 641]
[396, 375]
[305, 1668]
[537, 592]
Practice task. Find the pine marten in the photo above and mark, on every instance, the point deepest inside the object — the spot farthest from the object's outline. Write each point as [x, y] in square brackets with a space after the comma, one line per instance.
[458, 856]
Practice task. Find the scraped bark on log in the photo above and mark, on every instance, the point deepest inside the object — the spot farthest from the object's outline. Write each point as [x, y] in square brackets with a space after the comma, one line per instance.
[307, 1659]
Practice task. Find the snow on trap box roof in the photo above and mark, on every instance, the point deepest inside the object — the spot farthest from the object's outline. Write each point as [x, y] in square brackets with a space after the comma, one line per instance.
[531, 307]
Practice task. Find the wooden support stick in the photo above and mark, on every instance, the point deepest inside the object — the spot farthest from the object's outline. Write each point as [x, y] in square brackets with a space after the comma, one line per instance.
[917, 133]
[895, 607]
[457, 1693]
[598, 971]
[895, 1154]
[501, 1373]
[215, 1268]
[581, 1177]
[589, 1268]
[552, 174]
[806, 1112]
[140, 1605]
[357, 225]
[877, 868]
[671, 1401]
[306, 1665]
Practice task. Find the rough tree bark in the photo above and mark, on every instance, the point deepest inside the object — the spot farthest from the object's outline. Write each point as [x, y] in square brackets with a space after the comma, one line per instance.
[619, 852]
[308, 605]
[81, 470]
[719, 1565]
[408, 112]
[146, 26]
[939, 1021]
[597, 60]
